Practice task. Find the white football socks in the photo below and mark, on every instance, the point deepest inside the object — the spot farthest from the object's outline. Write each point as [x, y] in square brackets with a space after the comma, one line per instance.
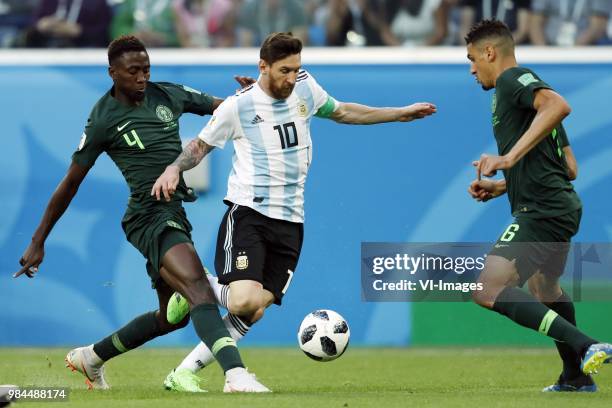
[221, 291]
[201, 356]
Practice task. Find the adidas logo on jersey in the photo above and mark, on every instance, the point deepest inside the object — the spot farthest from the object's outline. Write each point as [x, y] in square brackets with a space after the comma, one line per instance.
[257, 119]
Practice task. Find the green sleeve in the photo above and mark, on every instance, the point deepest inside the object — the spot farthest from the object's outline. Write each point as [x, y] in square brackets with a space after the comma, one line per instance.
[92, 144]
[328, 108]
[520, 85]
[191, 100]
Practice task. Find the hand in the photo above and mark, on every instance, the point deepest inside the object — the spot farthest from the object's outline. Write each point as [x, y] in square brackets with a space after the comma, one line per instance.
[244, 81]
[166, 183]
[67, 29]
[489, 164]
[417, 111]
[483, 190]
[47, 24]
[31, 259]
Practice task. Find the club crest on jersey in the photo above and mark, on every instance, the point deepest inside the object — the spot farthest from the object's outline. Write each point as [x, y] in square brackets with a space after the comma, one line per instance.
[164, 113]
[242, 261]
[302, 108]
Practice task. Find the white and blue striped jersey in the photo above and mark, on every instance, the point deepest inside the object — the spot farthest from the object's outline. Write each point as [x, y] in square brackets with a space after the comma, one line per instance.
[272, 146]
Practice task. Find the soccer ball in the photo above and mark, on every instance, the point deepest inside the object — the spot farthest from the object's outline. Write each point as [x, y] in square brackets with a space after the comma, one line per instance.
[323, 335]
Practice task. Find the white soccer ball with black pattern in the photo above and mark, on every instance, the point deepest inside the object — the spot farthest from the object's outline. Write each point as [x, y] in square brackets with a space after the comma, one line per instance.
[323, 335]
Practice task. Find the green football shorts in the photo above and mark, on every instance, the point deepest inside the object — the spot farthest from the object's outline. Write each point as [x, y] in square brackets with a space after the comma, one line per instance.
[538, 244]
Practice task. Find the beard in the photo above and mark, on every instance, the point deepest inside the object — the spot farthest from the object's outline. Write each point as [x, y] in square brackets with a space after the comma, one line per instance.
[281, 92]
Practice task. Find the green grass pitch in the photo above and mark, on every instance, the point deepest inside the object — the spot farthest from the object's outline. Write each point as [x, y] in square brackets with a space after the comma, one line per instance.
[363, 377]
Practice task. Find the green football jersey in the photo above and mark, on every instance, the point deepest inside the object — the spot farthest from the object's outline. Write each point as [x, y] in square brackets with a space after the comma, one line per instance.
[538, 185]
[141, 140]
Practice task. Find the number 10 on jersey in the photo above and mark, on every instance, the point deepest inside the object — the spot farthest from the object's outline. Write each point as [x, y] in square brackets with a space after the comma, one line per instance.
[288, 134]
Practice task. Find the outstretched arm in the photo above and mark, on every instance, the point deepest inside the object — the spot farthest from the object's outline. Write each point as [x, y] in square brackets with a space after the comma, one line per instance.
[191, 155]
[356, 114]
[61, 198]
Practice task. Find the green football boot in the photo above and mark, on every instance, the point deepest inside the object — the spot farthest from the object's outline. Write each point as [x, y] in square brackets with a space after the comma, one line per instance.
[178, 307]
[183, 380]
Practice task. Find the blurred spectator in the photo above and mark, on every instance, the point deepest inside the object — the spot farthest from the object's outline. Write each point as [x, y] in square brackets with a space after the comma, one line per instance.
[15, 17]
[258, 18]
[205, 23]
[334, 20]
[152, 21]
[70, 23]
[346, 22]
[569, 22]
[414, 22]
[515, 13]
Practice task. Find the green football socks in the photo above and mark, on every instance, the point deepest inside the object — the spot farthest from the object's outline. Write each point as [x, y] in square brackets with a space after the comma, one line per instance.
[564, 307]
[211, 330]
[525, 310]
[134, 334]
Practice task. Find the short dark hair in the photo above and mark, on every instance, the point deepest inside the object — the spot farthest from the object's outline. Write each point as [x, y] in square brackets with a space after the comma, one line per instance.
[123, 44]
[277, 46]
[488, 29]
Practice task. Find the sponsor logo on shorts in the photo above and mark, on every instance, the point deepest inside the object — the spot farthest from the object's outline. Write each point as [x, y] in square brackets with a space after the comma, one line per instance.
[242, 261]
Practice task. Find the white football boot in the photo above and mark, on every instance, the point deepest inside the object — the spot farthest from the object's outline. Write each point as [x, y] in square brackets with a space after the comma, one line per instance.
[240, 380]
[85, 361]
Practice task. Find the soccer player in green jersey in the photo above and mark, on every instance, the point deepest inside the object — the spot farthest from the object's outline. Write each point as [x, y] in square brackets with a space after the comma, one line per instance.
[136, 124]
[532, 145]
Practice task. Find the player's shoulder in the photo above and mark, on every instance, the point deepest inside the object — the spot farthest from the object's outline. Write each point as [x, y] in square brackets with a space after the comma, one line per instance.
[521, 75]
[163, 87]
[242, 92]
[303, 75]
[102, 113]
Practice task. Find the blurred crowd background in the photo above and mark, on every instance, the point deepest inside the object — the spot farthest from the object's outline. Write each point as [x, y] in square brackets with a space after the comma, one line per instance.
[244, 23]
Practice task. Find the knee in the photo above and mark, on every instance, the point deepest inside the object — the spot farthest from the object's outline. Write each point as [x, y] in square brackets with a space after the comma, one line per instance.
[245, 306]
[167, 327]
[490, 290]
[480, 297]
[257, 315]
[198, 291]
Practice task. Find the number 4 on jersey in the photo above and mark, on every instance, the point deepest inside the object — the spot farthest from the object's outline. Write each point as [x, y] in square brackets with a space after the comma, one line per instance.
[135, 141]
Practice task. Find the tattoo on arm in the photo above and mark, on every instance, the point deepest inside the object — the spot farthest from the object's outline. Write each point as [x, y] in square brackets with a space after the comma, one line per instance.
[192, 154]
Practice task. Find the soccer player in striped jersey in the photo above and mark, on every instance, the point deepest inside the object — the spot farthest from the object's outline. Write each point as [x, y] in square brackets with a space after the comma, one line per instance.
[260, 236]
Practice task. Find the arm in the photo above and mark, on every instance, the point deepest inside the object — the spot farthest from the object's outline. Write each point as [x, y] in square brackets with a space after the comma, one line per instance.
[467, 17]
[536, 29]
[551, 110]
[356, 114]
[570, 161]
[523, 19]
[441, 23]
[485, 190]
[597, 29]
[61, 198]
[191, 155]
